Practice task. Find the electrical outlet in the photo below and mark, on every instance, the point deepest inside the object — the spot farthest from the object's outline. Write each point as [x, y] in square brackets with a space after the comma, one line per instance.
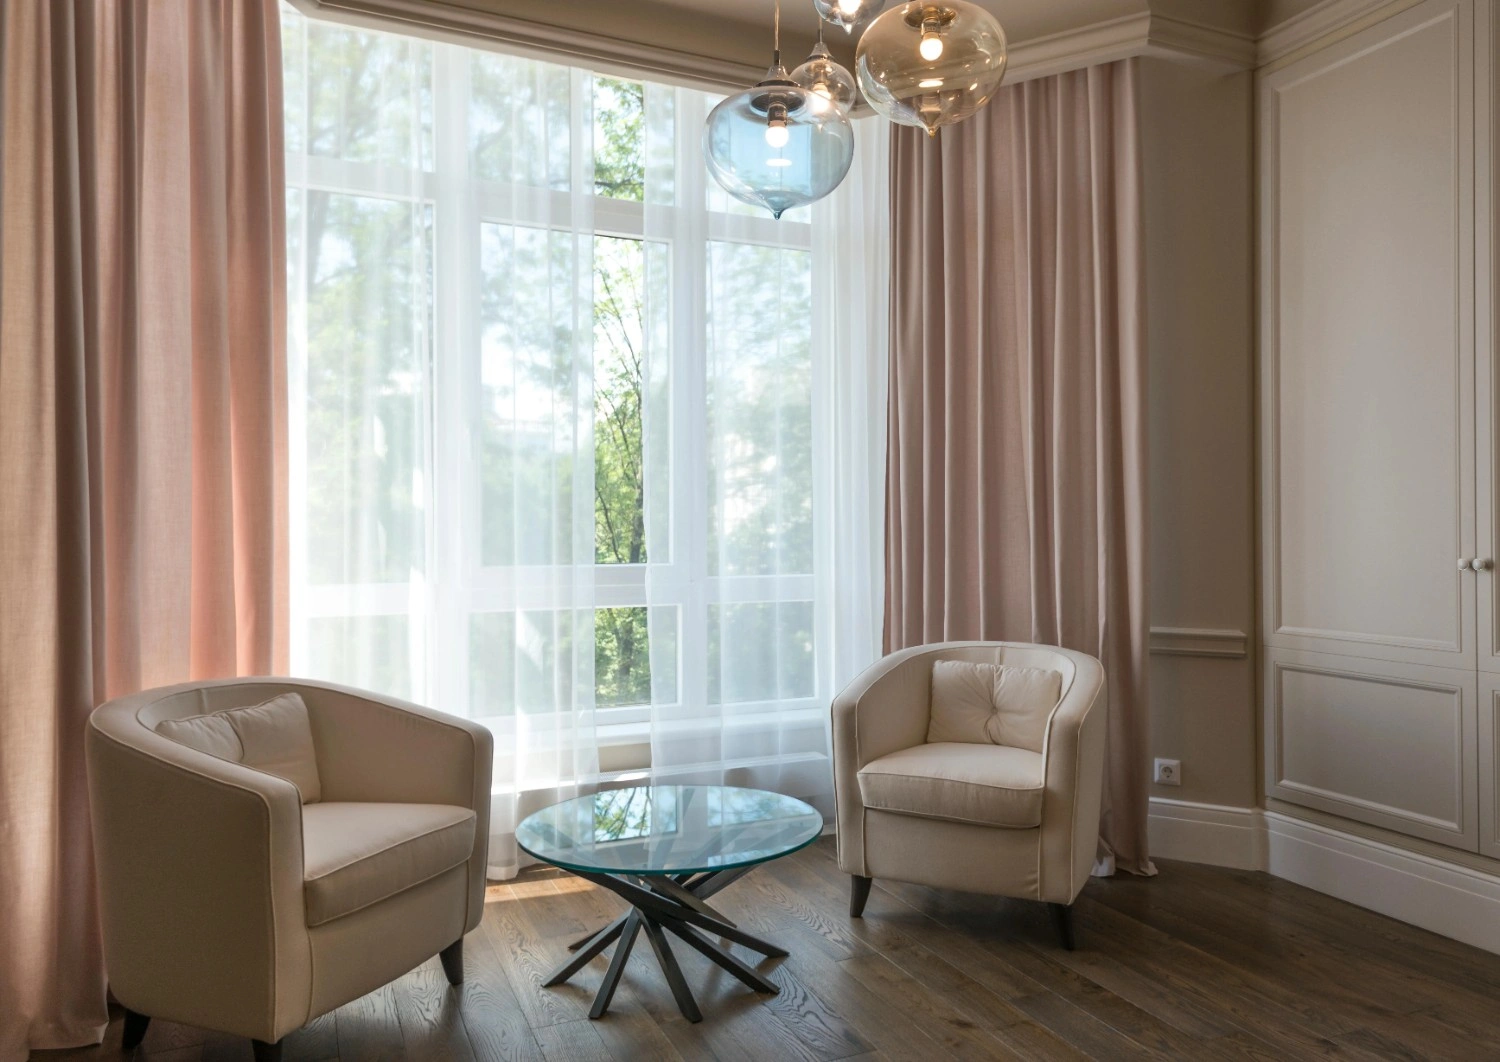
[1169, 772]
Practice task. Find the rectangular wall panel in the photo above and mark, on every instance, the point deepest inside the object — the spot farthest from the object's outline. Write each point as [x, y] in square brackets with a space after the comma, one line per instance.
[1388, 744]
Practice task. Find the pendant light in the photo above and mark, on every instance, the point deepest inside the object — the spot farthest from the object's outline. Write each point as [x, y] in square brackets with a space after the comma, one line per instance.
[819, 73]
[848, 15]
[778, 145]
[931, 63]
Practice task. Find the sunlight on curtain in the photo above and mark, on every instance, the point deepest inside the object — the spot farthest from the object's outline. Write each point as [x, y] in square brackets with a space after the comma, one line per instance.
[581, 448]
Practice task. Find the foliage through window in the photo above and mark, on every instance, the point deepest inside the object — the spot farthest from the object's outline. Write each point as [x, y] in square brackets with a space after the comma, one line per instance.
[484, 511]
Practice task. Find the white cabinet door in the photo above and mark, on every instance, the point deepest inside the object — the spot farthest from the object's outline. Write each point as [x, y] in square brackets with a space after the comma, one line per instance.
[1487, 333]
[1367, 257]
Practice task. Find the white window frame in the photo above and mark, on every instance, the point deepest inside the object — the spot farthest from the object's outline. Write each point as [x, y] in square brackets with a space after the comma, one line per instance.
[456, 585]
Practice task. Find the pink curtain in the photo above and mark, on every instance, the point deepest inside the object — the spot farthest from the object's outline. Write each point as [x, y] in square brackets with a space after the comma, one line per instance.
[1016, 459]
[142, 422]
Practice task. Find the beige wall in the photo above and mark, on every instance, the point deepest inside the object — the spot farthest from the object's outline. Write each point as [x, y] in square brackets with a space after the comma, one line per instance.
[1197, 160]
[1275, 12]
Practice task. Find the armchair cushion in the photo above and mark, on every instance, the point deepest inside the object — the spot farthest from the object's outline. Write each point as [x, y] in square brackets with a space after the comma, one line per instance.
[357, 854]
[992, 703]
[211, 734]
[990, 785]
[274, 736]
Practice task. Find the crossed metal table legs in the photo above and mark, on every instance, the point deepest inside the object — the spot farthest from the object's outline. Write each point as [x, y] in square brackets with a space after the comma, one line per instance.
[662, 905]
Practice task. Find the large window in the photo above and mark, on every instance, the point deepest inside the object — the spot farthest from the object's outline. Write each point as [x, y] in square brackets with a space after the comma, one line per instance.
[552, 393]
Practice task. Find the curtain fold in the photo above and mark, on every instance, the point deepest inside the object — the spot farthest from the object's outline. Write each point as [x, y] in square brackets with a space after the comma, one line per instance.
[1016, 459]
[142, 422]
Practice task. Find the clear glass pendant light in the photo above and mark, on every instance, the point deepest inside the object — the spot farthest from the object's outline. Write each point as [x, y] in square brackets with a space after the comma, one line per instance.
[778, 145]
[930, 63]
[848, 15]
[819, 73]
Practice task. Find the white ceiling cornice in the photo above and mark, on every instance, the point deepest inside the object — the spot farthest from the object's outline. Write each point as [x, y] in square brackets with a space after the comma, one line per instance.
[1141, 34]
[481, 29]
[1145, 32]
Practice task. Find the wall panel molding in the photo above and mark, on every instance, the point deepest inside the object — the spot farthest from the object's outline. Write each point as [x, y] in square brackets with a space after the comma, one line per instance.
[1224, 643]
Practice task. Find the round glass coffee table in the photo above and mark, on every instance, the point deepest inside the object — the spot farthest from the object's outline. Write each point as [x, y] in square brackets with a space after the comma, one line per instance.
[666, 849]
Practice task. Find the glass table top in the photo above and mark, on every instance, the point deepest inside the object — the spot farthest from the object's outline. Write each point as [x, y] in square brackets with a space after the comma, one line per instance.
[669, 829]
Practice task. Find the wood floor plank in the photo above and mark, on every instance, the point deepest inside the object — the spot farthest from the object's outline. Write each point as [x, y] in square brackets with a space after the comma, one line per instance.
[960, 1036]
[370, 1027]
[1199, 963]
[432, 1024]
[492, 1015]
[573, 1041]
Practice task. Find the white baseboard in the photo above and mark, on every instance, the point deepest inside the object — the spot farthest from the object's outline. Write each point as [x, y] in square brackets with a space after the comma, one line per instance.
[1452, 900]
[1208, 833]
[1446, 898]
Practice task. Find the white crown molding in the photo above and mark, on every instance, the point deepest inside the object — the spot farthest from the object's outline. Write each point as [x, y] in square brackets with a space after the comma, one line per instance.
[1311, 25]
[482, 29]
[1057, 53]
[1446, 898]
[1207, 46]
[1199, 641]
[1121, 38]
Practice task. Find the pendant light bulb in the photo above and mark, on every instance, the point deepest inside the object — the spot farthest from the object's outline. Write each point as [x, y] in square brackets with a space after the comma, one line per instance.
[777, 134]
[931, 47]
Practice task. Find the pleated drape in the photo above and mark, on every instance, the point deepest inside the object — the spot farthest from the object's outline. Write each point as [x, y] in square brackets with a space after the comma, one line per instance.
[1016, 459]
[142, 422]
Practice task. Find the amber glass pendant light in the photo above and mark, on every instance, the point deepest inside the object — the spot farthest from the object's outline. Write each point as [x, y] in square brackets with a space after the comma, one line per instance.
[930, 63]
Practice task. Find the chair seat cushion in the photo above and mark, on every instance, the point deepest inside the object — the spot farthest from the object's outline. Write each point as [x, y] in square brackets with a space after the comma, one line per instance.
[354, 855]
[991, 785]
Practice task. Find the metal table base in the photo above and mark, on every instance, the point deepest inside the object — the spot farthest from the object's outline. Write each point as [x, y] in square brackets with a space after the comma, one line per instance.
[662, 905]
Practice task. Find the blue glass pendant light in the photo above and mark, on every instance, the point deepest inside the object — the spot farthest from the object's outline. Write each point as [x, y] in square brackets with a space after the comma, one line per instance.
[778, 145]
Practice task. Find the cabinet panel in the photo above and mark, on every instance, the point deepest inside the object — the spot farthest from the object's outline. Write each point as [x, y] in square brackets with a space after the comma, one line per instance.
[1390, 744]
[1489, 764]
[1486, 335]
[1368, 343]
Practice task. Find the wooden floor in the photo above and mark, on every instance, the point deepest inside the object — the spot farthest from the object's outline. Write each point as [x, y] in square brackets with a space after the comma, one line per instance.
[1198, 963]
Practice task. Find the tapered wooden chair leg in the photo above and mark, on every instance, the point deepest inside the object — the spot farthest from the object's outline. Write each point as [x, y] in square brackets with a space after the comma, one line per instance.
[859, 892]
[265, 1052]
[135, 1029]
[1062, 921]
[453, 961]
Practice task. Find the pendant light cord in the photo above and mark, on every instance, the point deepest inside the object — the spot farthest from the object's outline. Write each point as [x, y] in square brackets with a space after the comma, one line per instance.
[776, 51]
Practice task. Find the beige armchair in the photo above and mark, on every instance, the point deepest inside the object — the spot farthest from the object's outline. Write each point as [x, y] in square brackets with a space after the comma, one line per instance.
[230, 904]
[983, 818]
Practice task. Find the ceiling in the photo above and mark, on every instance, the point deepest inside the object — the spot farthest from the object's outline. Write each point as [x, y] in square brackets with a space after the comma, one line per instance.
[728, 42]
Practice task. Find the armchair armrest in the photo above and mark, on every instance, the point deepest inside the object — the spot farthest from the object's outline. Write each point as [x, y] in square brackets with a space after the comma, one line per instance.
[884, 710]
[374, 748]
[199, 862]
[1074, 755]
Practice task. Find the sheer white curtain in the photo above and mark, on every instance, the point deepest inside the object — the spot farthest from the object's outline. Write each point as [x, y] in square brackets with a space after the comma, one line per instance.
[441, 263]
[779, 368]
[580, 448]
